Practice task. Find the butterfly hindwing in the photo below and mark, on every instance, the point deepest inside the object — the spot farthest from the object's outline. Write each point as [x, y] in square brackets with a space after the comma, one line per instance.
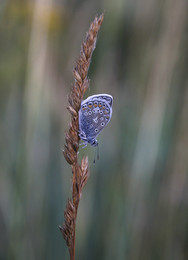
[95, 113]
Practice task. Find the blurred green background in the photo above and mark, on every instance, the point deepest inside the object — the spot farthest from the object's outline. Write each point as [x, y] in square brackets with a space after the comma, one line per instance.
[135, 204]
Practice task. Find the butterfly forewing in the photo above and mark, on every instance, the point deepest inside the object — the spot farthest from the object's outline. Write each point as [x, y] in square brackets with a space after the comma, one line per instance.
[107, 98]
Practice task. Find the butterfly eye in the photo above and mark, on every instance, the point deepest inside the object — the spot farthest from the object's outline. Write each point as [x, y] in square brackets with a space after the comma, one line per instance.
[89, 112]
[100, 104]
[84, 107]
[96, 130]
[102, 124]
[90, 104]
[103, 105]
[95, 104]
[106, 111]
[101, 112]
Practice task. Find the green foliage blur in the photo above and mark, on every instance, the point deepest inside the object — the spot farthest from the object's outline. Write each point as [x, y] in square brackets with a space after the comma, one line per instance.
[135, 204]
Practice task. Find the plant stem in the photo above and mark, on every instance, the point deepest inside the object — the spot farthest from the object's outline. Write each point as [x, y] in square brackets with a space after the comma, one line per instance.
[80, 172]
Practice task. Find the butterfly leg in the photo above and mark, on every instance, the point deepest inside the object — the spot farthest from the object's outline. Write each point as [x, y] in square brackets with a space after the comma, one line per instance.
[84, 144]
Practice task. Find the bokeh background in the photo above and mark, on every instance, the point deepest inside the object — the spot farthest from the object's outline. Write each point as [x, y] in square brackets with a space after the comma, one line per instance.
[135, 204]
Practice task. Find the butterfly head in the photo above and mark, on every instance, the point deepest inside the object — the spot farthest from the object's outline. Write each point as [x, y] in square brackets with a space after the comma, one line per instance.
[93, 142]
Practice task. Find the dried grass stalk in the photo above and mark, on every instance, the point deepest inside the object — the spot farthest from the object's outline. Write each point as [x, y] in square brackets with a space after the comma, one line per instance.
[80, 171]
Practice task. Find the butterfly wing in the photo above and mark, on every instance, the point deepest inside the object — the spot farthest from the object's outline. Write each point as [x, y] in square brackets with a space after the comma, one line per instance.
[106, 97]
[95, 113]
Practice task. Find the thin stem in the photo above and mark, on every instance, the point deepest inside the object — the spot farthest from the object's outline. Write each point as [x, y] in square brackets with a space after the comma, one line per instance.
[80, 171]
[74, 238]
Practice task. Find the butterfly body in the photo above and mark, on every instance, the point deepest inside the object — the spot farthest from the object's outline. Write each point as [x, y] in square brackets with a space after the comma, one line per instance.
[94, 115]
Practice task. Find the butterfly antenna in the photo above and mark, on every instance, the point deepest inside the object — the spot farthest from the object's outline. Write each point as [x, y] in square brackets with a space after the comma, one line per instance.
[97, 151]
[94, 157]
[96, 154]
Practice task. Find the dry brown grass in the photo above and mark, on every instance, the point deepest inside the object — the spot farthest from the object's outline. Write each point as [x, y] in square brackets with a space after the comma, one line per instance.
[80, 172]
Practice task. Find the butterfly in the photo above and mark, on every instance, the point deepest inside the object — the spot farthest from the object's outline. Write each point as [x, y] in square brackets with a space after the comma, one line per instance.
[94, 115]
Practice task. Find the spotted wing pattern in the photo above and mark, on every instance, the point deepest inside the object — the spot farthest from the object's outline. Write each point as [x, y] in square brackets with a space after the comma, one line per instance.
[95, 113]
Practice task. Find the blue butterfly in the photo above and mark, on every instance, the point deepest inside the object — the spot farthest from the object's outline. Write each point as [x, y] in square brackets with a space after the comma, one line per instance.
[94, 115]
